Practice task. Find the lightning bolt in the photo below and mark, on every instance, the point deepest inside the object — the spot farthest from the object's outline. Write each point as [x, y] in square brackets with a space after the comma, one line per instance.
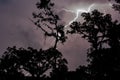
[77, 13]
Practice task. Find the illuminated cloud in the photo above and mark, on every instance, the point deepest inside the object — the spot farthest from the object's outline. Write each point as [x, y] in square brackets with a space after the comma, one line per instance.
[16, 29]
[77, 12]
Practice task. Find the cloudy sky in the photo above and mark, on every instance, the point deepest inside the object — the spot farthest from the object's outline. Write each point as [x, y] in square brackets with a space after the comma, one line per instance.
[17, 29]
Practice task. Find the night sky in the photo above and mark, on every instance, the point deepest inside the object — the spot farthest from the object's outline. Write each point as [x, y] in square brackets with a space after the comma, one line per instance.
[17, 30]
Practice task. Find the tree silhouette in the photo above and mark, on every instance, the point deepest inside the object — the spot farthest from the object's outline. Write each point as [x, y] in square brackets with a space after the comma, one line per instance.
[81, 73]
[29, 62]
[104, 35]
[116, 5]
[97, 28]
[48, 21]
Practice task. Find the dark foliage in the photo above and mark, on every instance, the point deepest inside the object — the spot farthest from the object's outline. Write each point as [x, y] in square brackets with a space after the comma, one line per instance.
[116, 5]
[48, 21]
[118, 1]
[103, 55]
[30, 63]
[104, 36]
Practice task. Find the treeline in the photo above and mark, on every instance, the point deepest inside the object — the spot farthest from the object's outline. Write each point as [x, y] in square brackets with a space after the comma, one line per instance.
[103, 56]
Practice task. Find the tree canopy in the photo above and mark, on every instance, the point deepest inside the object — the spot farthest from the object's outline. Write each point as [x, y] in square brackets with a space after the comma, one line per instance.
[30, 62]
[104, 36]
[97, 28]
[48, 21]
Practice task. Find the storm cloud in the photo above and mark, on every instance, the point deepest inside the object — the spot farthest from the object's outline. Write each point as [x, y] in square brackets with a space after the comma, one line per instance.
[17, 30]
